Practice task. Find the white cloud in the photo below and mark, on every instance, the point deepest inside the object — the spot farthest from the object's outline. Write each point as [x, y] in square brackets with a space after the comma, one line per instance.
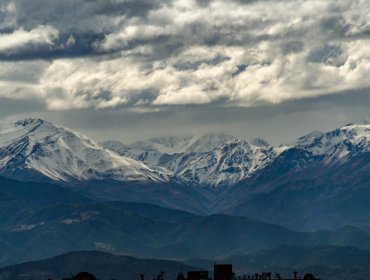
[121, 39]
[21, 39]
[27, 72]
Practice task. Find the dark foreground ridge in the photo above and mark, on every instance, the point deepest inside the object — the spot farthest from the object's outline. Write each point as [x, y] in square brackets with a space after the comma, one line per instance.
[220, 272]
[104, 266]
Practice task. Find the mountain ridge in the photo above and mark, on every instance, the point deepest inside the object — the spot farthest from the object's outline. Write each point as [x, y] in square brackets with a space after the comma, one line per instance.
[100, 264]
[34, 146]
[319, 181]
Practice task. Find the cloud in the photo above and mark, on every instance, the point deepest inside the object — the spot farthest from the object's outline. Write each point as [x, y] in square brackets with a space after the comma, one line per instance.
[150, 55]
[27, 72]
[27, 41]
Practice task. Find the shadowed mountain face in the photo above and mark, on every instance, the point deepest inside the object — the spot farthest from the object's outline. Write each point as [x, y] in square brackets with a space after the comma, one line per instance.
[102, 265]
[302, 192]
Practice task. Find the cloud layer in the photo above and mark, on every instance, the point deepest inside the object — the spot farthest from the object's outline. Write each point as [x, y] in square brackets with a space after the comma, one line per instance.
[146, 55]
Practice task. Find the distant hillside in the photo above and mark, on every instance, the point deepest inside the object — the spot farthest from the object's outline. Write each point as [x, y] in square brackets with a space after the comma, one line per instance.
[142, 230]
[102, 265]
[18, 198]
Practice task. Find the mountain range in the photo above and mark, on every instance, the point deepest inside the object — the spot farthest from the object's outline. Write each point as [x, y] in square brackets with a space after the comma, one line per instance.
[220, 160]
[209, 160]
[319, 181]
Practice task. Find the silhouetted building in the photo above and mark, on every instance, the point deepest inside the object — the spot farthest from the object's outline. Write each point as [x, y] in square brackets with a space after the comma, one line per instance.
[223, 272]
[197, 275]
[82, 276]
[309, 276]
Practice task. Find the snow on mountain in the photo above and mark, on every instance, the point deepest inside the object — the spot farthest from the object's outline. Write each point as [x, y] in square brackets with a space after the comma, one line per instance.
[319, 181]
[157, 150]
[171, 144]
[140, 150]
[220, 160]
[339, 144]
[187, 144]
[210, 159]
[37, 147]
[34, 146]
[208, 142]
[225, 165]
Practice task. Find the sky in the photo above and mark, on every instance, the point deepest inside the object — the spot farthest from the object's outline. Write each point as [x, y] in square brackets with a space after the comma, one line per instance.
[134, 69]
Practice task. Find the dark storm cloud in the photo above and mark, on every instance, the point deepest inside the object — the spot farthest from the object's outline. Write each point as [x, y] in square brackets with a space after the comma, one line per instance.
[157, 53]
[77, 14]
[87, 21]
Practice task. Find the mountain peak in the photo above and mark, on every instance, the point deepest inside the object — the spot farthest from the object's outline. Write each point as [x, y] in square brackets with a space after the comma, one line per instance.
[209, 141]
[359, 122]
[36, 148]
[215, 135]
[29, 121]
[259, 142]
[307, 138]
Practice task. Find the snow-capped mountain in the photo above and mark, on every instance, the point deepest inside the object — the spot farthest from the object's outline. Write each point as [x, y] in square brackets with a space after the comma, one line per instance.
[321, 180]
[259, 142]
[339, 144]
[222, 160]
[206, 160]
[158, 150]
[144, 151]
[171, 144]
[187, 144]
[33, 148]
[224, 165]
[305, 184]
